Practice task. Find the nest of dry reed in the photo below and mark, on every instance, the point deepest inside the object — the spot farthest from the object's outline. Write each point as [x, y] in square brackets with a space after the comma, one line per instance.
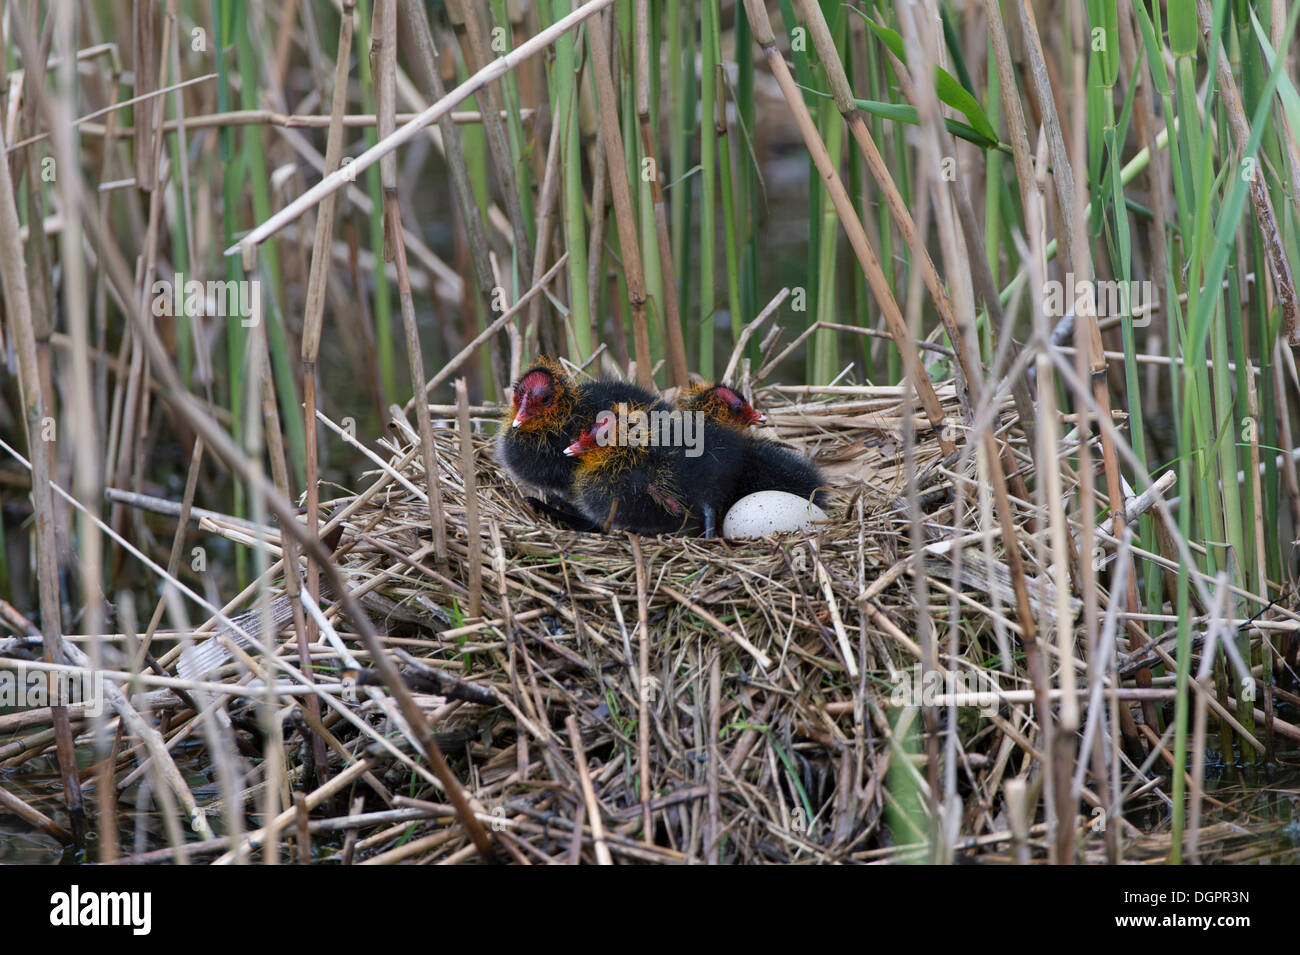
[677, 699]
[745, 682]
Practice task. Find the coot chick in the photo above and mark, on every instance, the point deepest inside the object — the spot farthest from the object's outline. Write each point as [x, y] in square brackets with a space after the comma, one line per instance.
[716, 470]
[766, 465]
[547, 412]
[723, 405]
[625, 482]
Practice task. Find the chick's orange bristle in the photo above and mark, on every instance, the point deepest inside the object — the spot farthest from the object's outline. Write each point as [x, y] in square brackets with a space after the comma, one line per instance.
[618, 454]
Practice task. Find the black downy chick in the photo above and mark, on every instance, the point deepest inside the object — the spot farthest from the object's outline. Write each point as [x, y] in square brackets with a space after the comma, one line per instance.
[539, 426]
[547, 412]
[716, 471]
[766, 465]
[625, 482]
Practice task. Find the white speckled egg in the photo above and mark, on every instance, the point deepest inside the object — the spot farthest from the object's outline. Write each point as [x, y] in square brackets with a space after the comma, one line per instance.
[770, 512]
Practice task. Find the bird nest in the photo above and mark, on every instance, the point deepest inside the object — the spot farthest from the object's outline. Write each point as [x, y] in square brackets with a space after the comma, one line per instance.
[678, 699]
[731, 697]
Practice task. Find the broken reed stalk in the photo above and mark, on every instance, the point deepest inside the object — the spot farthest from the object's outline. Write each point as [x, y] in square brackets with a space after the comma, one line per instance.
[669, 307]
[1059, 733]
[748, 332]
[314, 309]
[80, 424]
[544, 226]
[383, 70]
[1082, 561]
[183, 512]
[256, 117]
[588, 793]
[472, 529]
[33, 817]
[1274, 246]
[620, 190]
[423, 57]
[477, 53]
[144, 55]
[1073, 237]
[712, 847]
[274, 441]
[596, 271]
[13, 272]
[384, 53]
[1202, 683]
[848, 216]
[415, 357]
[643, 688]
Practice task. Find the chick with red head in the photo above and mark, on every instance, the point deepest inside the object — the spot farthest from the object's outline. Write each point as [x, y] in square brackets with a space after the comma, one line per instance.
[625, 480]
[548, 410]
[764, 465]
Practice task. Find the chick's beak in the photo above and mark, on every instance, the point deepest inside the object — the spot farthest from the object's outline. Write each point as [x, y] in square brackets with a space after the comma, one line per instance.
[573, 449]
[760, 418]
[521, 414]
